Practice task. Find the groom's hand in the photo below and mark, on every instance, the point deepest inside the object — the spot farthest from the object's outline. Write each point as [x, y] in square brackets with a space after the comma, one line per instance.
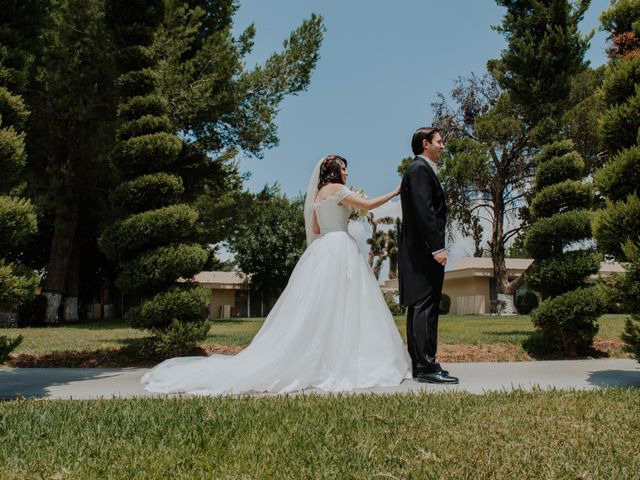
[441, 258]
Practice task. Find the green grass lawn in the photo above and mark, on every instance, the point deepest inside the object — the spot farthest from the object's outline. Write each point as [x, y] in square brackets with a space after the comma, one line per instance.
[538, 435]
[454, 330]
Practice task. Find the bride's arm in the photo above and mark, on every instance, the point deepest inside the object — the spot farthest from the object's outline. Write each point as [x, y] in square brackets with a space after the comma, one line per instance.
[315, 226]
[356, 201]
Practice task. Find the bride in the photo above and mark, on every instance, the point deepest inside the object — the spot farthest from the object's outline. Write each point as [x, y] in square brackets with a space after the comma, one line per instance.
[330, 329]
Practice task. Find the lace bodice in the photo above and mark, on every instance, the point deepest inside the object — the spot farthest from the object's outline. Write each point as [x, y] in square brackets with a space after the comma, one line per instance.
[333, 217]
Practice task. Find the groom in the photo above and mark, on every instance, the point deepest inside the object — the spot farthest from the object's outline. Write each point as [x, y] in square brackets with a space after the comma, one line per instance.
[422, 255]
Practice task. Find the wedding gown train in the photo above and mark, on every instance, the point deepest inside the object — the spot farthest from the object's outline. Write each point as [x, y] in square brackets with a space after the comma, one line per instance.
[330, 329]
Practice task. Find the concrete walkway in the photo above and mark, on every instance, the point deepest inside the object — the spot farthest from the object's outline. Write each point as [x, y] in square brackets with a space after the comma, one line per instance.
[91, 383]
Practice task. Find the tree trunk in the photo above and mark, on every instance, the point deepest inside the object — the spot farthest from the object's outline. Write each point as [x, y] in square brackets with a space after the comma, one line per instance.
[507, 304]
[109, 308]
[505, 290]
[72, 289]
[61, 249]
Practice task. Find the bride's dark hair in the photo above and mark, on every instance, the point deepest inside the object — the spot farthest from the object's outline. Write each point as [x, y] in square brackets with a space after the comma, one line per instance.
[330, 170]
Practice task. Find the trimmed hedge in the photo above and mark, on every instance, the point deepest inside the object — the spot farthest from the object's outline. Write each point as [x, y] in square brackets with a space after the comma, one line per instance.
[162, 266]
[613, 225]
[137, 107]
[136, 154]
[555, 275]
[568, 322]
[145, 230]
[526, 302]
[548, 236]
[560, 197]
[565, 321]
[18, 221]
[12, 155]
[148, 191]
[445, 304]
[144, 125]
[621, 174]
[182, 303]
[619, 125]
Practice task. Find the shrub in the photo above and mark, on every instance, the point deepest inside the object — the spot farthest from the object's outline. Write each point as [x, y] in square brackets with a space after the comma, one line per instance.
[7, 345]
[621, 175]
[18, 221]
[568, 322]
[613, 225]
[395, 308]
[445, 304]
[177, 339]
[182, 303]
[33, 313]
[162, 266]
[144, 230]
[148, 191]
[526, 302]
[548, 235]
[17, 284]
[555, 275]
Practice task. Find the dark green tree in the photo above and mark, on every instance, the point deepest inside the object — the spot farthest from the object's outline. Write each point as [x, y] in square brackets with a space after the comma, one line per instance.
[19, 25]
[220, 107]
[214, 104]
[561, 213]
[70, 132]
[544, 51]
[617, 226]
[269, 238]
[154, 241]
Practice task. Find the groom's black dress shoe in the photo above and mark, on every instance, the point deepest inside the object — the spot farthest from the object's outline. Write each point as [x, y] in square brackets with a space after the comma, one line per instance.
[436, 377]
[436, 368]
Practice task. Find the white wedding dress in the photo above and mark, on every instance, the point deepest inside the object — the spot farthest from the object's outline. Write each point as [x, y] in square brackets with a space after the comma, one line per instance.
[330, 329]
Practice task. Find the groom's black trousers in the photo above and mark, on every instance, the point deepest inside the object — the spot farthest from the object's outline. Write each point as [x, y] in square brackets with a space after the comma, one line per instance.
[422, 332]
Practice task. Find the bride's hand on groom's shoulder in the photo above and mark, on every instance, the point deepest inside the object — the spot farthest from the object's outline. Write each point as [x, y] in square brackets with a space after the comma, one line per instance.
[397, 190]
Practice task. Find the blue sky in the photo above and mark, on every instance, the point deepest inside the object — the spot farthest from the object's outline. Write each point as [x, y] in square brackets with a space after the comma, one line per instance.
[381, 65]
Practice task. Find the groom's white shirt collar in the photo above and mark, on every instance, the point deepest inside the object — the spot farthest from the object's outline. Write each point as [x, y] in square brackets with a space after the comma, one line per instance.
[432, 164]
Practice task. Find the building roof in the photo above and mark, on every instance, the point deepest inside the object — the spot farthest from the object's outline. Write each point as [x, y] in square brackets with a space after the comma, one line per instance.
[222, 278]
[485, 262]
[483, 267]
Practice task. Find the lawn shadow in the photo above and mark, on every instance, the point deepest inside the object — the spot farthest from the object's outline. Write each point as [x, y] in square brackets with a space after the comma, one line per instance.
[537, 348]
[131, 354]
[615, 378]
[35, 382]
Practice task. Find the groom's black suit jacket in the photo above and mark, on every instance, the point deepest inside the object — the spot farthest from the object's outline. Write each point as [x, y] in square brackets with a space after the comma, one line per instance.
[424, 217]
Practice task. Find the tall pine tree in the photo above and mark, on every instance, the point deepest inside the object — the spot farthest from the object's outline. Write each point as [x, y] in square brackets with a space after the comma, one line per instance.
[70, 132]
[617, 227]
[153, 242]
[544, 50]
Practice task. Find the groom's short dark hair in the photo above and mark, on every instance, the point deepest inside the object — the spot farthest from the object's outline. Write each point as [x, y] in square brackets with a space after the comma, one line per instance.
[424, 133]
